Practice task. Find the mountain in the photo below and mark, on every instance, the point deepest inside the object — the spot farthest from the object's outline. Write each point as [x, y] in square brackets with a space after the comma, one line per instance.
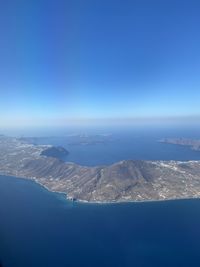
[127, 180]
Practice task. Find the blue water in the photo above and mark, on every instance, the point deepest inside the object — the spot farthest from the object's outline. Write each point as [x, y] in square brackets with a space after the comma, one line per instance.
[39, 228]
[139, 144]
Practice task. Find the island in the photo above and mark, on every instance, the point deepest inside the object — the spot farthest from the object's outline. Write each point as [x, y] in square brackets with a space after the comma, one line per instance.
[55, 152]
[127, 180]
[73, 139]
[194, 144]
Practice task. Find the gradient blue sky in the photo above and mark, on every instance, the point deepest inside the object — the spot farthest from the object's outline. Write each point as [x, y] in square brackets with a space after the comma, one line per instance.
[66, 60]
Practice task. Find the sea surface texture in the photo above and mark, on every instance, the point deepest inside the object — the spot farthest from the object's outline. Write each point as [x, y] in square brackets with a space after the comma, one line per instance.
[39, 228]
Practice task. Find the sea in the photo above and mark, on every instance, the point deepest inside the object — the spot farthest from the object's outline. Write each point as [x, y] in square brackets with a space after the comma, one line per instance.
[39, 228]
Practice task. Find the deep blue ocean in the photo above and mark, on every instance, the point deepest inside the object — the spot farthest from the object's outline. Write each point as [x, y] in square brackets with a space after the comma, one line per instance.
[42, 229]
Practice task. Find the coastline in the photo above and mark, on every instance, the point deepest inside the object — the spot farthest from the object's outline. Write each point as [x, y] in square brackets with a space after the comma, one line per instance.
[79, 201]
[125, 181]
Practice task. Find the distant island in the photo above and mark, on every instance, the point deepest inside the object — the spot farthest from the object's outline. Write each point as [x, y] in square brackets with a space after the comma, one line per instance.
[127, 180]
[73, 139]
[192, 143]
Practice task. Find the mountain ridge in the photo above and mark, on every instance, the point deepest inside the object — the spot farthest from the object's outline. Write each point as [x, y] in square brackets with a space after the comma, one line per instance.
[127, 180]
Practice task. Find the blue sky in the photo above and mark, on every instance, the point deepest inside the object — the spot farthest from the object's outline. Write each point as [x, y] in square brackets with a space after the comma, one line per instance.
[108, 59]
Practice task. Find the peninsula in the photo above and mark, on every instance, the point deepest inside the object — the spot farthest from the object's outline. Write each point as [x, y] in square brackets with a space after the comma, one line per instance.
[123, 181]
[194, 144]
